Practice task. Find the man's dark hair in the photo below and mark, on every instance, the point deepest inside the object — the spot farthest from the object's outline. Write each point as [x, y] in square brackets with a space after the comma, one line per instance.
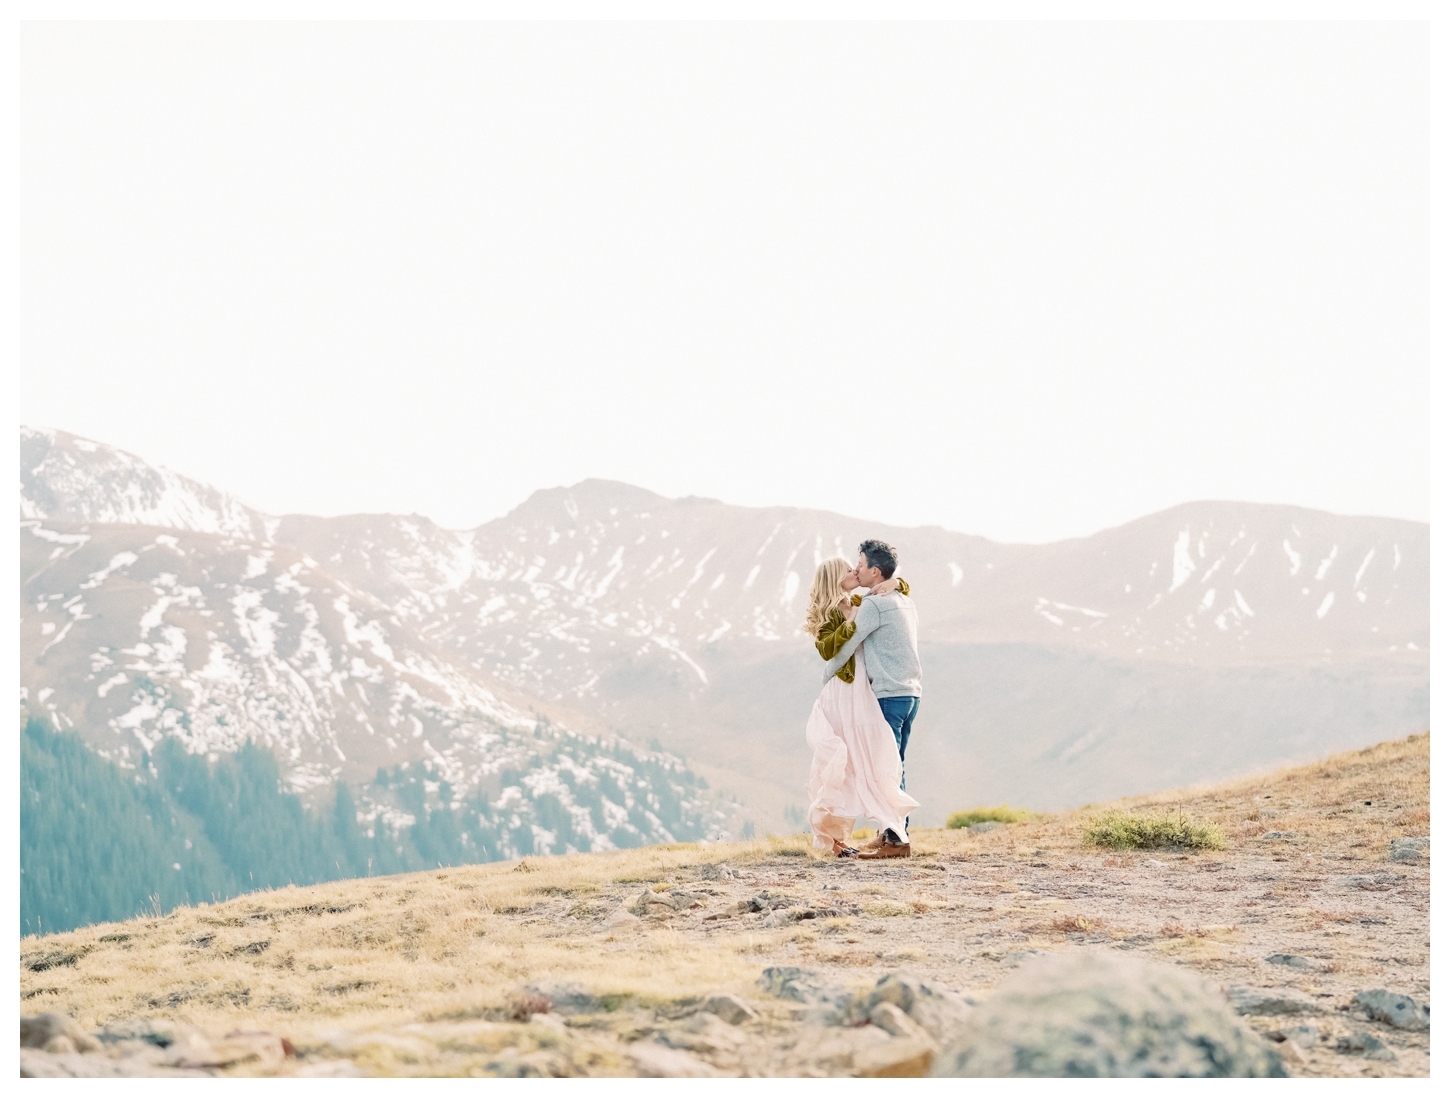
[879, 555]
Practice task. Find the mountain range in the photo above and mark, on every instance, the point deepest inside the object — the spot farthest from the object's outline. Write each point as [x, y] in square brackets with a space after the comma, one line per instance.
[1187, 646]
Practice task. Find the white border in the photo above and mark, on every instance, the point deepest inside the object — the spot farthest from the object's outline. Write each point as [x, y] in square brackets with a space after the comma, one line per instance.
[730, 10]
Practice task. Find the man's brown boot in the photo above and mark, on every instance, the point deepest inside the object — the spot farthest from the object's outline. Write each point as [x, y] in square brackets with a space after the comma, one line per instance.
[888, 850]
[873, 844]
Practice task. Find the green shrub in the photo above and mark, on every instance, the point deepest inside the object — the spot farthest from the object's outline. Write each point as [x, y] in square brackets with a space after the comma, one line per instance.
[1000, 814]
[1151, 831]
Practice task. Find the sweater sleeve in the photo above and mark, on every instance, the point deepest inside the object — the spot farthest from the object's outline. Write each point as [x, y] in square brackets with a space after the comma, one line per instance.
[834, 634]
[901, 585]
[867, 619]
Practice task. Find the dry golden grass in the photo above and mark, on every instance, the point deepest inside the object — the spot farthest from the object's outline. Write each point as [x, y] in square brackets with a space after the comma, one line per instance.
[384, 950]
[1322, 802]
[457, 943]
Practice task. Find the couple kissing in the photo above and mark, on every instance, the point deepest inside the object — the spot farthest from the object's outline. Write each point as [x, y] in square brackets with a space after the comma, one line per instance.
[860, 724]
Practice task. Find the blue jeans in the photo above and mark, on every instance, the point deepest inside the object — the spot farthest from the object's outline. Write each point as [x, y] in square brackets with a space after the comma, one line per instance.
[899, 713]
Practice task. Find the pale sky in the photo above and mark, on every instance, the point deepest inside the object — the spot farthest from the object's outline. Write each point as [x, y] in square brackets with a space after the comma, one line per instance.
[1025, 280]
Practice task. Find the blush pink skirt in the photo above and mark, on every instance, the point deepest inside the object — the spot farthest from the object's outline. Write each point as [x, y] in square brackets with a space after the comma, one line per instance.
[855, 770]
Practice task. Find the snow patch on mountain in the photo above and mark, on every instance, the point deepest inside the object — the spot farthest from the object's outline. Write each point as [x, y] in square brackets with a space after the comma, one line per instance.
[73, 479]
[215, 641]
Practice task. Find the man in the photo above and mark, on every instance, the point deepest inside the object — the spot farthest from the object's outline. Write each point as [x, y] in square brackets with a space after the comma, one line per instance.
[886, 635]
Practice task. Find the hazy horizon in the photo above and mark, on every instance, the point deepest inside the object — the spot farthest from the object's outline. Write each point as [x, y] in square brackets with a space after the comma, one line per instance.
[728, 503]
[1029, 280]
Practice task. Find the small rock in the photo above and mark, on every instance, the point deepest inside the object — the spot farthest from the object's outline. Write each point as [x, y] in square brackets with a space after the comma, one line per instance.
[899, 1058]
[835, 1050]
[181, 1045]
[898, 1023]
[666, 902]
[1253, 1000]
[702, 1032]
[645, 901]
[153, 1031]
[620, 916]
[705, 1022]
[1091, 1015]
[828, 1002]
[1399, 1011]
[560, 996]
[655, 1061]
[39, 1030]
[1293, 1054]
[986, 825]
[935, 1008]
[1415, 849]
[1017, 956]
[729, 1008]
[1280, 836]
[799, 985]
[765, 901]
[1305, 1036]
[1365, 1044]
[1379, 882]
[1291, 960]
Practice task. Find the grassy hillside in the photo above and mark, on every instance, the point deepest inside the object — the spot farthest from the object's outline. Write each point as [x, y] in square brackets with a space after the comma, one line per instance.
[1306, 872]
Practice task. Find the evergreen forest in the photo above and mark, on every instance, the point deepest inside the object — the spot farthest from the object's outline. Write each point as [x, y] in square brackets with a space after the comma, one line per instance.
[99, 843]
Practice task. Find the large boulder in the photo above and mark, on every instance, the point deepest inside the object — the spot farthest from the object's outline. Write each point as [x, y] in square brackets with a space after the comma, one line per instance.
[1084, 1015]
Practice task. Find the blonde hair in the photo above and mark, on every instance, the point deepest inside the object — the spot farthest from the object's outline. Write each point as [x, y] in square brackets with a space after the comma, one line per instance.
[825, 593]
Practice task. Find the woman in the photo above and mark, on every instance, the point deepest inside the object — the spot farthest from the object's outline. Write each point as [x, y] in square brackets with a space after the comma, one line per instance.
[855, 769]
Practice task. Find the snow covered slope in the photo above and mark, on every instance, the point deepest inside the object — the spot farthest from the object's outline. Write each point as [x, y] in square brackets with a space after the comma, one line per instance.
[65, 477]
[1276, 633]
[571, 570]
[556, 595]
[131, 633]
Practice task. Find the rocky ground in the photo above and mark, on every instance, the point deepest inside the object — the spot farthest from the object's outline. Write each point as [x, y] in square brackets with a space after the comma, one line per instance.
[1310, 932]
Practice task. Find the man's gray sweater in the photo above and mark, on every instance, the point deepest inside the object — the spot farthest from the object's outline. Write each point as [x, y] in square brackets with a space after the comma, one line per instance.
[886, 635]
